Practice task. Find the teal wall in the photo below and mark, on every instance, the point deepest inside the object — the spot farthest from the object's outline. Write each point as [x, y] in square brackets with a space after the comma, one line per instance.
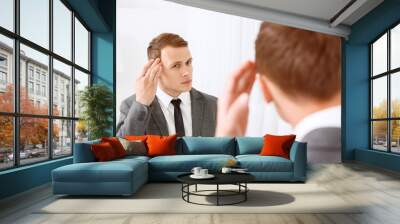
[24, 178]
[356, 99]
[99, 16]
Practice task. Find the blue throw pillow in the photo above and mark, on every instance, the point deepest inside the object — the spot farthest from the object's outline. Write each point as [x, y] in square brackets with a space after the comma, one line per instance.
[249, 145]
[206, 145]
[83, 153]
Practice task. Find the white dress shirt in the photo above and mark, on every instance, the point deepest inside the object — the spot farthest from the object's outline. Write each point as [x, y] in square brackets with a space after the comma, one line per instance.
[168, 110]
[329, 117]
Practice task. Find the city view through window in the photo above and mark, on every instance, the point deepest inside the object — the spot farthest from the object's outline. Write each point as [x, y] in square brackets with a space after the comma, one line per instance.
[385, 92]
[39, 113]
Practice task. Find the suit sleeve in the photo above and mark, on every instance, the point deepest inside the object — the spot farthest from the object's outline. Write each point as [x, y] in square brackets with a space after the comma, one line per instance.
[133, 119]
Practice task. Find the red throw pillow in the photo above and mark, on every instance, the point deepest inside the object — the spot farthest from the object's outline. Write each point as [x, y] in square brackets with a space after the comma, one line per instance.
[103, 152]
[277, 145]
[161, 145]
[116, 145]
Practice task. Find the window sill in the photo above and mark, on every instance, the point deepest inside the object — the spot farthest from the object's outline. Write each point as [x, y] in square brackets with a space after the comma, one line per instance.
[25, 167]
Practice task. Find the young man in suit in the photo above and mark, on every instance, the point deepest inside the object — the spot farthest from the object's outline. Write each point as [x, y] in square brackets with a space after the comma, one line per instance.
[299, 71]
[165, 102]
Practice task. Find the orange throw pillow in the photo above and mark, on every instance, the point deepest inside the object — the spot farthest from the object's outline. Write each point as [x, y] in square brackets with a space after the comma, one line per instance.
[135, 138]
[103, 152]
[275, 145]
[116, 145]
[161, 145]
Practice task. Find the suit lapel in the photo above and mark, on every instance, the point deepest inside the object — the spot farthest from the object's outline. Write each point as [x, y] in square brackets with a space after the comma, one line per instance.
[159, 117]
[197, 104]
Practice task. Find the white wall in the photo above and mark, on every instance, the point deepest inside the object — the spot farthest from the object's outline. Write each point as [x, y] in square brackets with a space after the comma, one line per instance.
[219, 43]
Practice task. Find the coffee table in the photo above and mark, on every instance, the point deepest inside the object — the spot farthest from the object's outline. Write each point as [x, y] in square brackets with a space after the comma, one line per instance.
[238, 179]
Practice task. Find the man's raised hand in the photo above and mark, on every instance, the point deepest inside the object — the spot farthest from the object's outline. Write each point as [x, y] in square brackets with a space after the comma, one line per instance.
[147, 81]
[233, 107]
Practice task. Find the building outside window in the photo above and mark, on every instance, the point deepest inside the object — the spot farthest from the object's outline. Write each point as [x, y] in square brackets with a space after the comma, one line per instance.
[57, 134]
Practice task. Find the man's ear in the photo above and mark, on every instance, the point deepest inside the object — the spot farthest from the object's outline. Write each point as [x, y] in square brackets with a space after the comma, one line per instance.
[264, 88]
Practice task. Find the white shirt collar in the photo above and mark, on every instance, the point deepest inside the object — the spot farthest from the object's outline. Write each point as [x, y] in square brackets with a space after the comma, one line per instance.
[166, 99]
[329, 117]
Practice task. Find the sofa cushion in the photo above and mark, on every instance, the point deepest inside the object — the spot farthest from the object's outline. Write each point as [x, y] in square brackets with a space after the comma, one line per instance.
[185, 163]
[111, 171]
[116, 145]
[132, 158]
[257, 163]
[277, 145]
[249, 145]
[134, 147]
[206, 145]
[161, 145]
[83, 152]
[103, 152]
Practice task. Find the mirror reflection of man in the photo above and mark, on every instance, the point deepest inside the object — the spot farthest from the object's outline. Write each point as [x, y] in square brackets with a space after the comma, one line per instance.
[299, 71]
[165, 102]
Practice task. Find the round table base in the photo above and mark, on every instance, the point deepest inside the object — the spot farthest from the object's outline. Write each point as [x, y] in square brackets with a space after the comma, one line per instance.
[242, 191]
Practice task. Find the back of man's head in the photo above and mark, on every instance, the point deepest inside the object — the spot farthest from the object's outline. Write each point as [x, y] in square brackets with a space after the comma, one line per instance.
[164, 40]
[301, 63]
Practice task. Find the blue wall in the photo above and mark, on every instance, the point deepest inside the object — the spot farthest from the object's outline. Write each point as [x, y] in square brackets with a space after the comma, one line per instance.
[99, 16]
[104, 52]
[24, 178]
[356, 86]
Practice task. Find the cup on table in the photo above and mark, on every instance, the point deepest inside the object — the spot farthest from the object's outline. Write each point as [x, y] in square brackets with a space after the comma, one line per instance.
[226, 170]
[203, 172]
[196, 171]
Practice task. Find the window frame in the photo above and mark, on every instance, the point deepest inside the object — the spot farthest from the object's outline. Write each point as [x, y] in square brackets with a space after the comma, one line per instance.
[388, 74]
[16, 115]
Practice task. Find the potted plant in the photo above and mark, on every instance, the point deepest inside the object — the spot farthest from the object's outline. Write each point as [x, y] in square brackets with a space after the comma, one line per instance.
[96, 103]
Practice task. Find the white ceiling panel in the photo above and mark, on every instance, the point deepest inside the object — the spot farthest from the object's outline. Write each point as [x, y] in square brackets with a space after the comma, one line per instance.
[326, 16]
[320, 9]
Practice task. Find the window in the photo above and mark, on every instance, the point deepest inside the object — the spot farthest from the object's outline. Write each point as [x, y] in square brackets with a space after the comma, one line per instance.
[62, 29]
[38, 89]
[6, 142]
[3, 78]
[62, 139]
[6, 73]
[81, 81]
[3, 72]
[30, 72]
[46, 77]
[30, 87]
[3, 61]
[81, 45]
[7, 14]
[62, 75]
[385, 94]
[34, 21]
[44, 91]
[37, 75]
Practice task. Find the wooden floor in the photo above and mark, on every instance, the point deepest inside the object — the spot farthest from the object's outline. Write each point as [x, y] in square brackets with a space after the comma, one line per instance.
[378, 188]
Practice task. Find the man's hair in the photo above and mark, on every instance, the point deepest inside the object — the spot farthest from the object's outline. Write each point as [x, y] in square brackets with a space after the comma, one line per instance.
[163, 40]
[300, 62]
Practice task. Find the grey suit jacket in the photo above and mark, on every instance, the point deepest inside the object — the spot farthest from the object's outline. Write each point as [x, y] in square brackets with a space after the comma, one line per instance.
[138, 119]
[324, 145]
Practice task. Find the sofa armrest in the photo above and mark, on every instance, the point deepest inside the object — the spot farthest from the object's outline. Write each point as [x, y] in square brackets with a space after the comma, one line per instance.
[298, 155]
[83, 152]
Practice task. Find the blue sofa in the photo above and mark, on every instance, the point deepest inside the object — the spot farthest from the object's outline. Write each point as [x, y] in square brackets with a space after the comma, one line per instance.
[125, 176]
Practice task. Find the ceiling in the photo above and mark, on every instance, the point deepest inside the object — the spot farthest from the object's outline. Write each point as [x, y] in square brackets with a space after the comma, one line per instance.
[327, 16]
[320, 9]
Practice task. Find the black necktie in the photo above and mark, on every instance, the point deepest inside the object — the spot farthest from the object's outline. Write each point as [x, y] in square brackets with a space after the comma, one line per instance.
[179, 128]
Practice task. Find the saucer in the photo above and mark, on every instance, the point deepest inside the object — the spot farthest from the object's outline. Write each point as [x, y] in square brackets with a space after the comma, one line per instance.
[208, 176]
